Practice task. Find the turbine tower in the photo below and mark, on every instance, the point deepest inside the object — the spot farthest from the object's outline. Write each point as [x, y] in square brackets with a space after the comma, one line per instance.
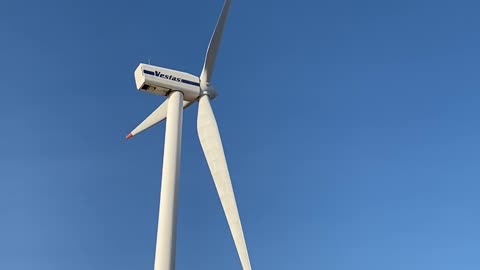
[182, 90]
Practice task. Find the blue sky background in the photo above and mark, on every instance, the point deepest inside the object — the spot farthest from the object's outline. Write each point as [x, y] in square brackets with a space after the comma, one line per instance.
[351, 130]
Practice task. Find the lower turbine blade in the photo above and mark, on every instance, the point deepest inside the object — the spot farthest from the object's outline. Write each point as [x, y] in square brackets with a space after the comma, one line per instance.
[213, 149]
[154, 118]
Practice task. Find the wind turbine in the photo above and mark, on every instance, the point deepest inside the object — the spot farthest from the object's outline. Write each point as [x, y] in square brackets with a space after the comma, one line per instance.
[182, 90]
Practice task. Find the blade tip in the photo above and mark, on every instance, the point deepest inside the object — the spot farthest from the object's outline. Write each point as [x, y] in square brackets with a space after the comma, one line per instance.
[129, 136]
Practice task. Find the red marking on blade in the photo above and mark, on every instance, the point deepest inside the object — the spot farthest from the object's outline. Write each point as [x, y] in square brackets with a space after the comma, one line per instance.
[129, 136]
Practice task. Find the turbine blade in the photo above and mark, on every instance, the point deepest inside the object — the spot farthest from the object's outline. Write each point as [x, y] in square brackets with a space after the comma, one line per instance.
[213, 149]
[154, 118]
[212, 50]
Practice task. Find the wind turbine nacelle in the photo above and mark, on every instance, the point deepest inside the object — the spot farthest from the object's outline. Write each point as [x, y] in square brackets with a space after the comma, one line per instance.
[162, 81]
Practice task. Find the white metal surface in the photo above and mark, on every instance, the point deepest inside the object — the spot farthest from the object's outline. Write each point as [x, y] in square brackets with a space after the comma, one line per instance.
[161, 81]
[154, 118]
[213, 46]
[213, 149]
[167, 218]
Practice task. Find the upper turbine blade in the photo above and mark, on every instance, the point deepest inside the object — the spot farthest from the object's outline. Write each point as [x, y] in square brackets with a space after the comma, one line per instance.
[213, 149]
[214, 44]
[154, 118]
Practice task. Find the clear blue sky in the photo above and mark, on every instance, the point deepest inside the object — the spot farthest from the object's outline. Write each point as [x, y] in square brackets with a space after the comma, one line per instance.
[351, 129]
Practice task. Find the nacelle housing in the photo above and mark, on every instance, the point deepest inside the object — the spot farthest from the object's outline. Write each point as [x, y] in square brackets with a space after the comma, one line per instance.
[161, 81]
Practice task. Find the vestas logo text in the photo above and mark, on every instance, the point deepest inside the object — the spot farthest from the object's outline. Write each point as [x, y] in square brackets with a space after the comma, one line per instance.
[162, 75]
[169, 77]
[165, 76]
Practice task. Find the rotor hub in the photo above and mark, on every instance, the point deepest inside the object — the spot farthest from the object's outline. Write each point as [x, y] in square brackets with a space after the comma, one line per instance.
[208, 89]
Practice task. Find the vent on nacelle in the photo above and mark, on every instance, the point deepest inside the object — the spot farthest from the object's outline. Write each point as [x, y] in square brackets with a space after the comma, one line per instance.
[156, 90]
